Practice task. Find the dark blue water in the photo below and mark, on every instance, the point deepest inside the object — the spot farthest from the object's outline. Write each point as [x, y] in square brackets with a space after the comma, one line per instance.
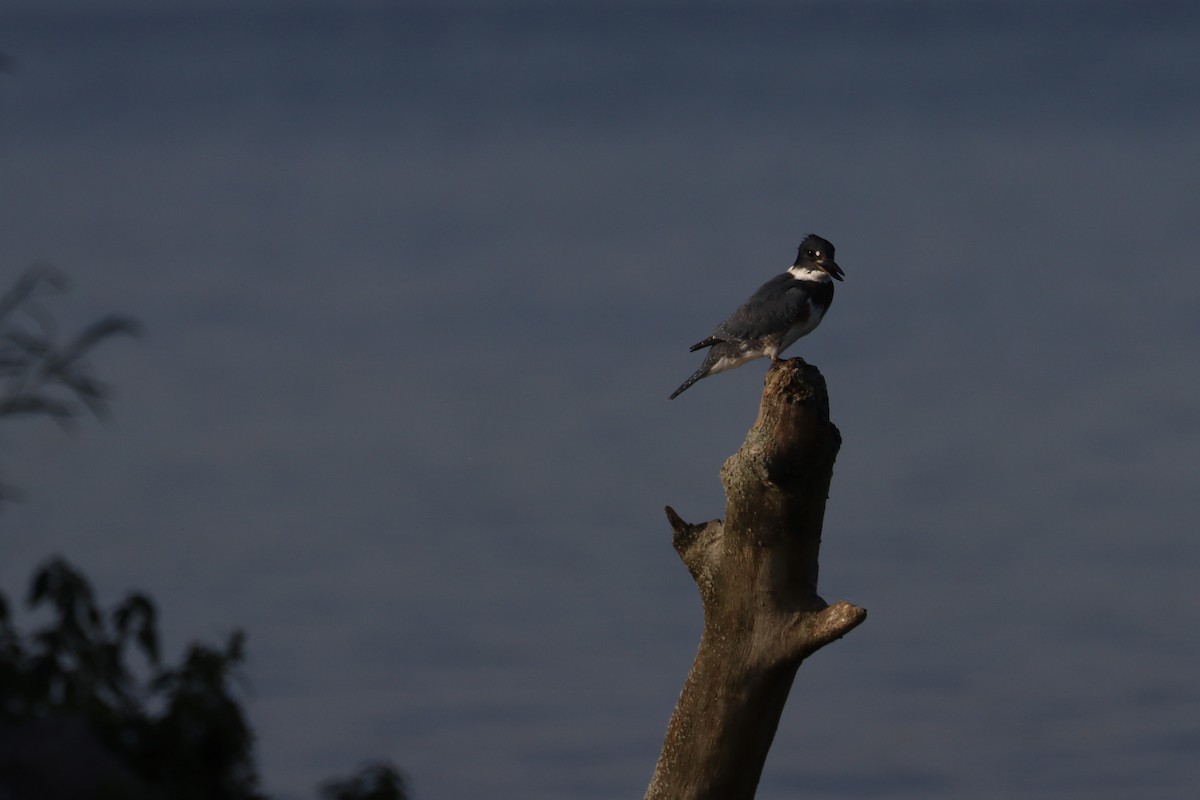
[419, 280]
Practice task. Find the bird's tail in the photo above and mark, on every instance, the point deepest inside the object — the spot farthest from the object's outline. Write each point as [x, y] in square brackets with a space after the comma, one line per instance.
[697, 375]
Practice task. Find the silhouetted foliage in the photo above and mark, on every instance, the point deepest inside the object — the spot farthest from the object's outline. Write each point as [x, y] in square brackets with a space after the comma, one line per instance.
[376, 781]
[39, 375]
[180, 730]
[87, 708]
[91, 679]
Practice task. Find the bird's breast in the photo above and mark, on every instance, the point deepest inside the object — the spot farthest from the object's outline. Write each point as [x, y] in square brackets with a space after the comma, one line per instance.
[803, 326]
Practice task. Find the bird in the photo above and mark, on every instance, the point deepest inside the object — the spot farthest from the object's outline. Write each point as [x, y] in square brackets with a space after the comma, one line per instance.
[788, 306]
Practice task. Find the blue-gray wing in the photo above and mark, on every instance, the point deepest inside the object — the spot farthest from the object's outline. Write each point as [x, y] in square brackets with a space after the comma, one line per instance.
[778, 304]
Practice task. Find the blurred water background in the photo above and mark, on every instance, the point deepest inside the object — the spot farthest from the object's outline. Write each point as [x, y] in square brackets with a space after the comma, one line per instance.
[418, 279]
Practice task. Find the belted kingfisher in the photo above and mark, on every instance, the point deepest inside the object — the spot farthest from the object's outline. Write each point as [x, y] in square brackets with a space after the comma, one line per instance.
[783, 309]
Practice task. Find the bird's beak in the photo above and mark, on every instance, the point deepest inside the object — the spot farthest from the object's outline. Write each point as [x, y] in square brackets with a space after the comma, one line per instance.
[832, 268]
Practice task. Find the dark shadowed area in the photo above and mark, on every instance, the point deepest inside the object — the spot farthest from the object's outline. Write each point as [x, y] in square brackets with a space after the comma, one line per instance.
[418, 280]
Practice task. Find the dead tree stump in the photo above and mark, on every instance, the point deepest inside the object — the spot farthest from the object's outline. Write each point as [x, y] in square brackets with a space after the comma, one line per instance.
[757, 575]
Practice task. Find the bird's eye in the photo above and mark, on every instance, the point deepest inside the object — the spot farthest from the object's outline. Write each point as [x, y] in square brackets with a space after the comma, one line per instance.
[814, 254]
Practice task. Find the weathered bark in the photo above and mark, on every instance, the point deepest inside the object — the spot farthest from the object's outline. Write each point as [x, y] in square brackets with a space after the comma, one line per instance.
[757, 575]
